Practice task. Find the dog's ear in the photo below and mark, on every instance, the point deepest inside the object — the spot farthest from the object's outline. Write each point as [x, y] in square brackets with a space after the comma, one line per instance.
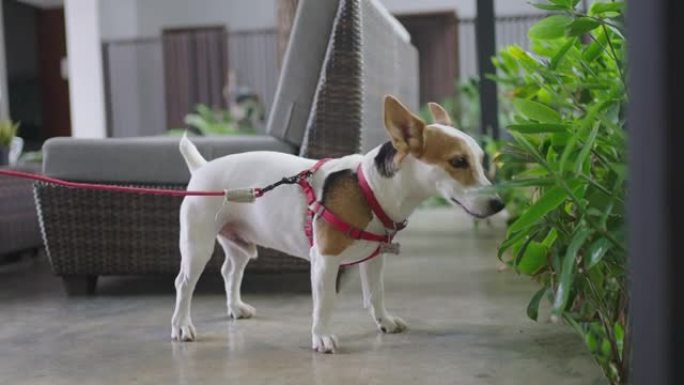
[439, 114]
[405, 128]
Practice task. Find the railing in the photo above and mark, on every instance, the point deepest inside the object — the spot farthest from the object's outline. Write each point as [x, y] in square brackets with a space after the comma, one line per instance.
[509, 30]
[134, 71]
[135, 81]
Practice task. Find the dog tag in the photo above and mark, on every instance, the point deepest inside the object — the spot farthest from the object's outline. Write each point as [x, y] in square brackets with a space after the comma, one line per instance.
[241, 195]
[389, 248]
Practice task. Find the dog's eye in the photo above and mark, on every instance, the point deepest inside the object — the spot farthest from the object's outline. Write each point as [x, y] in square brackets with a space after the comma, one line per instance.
[459, 162]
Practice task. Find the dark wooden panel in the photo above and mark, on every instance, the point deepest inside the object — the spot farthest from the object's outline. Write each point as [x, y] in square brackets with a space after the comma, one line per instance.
[435, 35]
[54, 88]
[195, 70]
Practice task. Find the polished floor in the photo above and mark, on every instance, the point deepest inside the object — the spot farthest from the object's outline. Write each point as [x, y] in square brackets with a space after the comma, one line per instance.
[467, 325]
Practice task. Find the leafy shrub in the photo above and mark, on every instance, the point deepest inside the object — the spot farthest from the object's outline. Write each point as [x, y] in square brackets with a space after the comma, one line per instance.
[8, 130]
[568, 153]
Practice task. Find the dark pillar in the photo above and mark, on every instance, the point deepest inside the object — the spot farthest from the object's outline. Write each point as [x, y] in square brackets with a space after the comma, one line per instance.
[486, 47]
[656, 194]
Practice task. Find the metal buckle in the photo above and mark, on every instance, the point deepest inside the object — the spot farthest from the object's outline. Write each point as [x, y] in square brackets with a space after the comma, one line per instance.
[389, 248]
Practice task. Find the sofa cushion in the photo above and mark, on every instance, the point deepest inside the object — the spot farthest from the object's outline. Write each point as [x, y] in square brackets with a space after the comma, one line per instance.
[301, 68]
[153, 160]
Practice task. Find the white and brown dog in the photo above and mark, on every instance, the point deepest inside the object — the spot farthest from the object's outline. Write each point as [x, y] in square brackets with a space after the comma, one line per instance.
[420, 161]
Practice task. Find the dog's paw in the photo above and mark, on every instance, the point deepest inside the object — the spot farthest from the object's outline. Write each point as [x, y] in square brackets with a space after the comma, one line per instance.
[324, 343]
[240, 310]
[183, 332]
[390, 324]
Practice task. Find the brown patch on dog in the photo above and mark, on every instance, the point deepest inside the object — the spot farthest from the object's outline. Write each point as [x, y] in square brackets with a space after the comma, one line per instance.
[342, 196]
[439, 148]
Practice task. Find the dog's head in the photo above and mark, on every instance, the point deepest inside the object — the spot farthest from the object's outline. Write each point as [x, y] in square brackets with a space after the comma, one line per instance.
[450, 161]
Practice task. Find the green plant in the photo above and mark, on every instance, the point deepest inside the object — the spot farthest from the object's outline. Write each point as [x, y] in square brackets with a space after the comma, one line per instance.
[8, 130]
[208, 121]
[463, 107]
[568, 152]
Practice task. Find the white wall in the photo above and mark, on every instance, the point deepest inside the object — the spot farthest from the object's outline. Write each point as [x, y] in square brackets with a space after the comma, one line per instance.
[4, 103]
[126, 19]
[119, 19]
[86, 86]
[463, 8]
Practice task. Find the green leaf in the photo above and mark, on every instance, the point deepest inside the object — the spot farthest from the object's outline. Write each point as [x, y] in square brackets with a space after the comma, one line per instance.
[549, 7]
[619, 333]
[582, 25]
[551, 199]
[561, 53]
[584, 153]
[569, 148]
[560, 139]
[596, 47]
[552, 27]
[517, 183]
[550, 238]
[596, 252]
[533, 306]
[537, 111]
[600, 8]
[533, 259]
[567, 273]
[539, 128]
[530, 149]
[520, 251]
[565, 3]
[511, 240]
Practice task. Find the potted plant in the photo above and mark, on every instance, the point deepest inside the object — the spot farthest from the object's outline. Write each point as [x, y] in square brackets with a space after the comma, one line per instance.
[8, 130]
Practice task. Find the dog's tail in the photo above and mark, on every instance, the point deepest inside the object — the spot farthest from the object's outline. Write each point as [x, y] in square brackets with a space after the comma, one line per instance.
[192, 157]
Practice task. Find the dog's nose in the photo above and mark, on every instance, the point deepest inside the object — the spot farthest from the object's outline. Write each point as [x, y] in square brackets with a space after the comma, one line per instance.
[496, 205]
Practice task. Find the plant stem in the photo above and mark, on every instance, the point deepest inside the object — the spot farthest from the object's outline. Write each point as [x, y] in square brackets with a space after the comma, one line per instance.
[612, 50]
[607, 329]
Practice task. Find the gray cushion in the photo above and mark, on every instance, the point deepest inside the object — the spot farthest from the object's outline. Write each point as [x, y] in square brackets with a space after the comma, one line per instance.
[141, 160]
[301, 69]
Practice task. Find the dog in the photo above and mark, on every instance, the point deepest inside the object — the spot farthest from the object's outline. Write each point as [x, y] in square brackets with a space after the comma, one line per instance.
[418, 162]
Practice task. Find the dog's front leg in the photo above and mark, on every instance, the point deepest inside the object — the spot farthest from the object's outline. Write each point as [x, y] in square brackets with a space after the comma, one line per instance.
[374, 296]
[324, 270]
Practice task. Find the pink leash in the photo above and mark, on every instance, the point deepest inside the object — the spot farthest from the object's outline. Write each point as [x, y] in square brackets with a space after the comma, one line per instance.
[248, 195]
[104, 187]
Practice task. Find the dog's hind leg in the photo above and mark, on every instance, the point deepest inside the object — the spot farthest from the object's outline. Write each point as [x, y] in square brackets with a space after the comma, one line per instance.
[197, 239]
[374, 296]
[238, 253]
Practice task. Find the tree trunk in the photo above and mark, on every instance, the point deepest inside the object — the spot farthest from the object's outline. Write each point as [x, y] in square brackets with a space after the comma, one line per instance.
[286, 15]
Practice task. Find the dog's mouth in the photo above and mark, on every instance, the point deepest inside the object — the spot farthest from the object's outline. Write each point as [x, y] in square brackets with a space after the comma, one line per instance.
[473, 214]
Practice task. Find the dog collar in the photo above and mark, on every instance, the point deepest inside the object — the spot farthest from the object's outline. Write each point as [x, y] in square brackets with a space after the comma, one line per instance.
[375, 205]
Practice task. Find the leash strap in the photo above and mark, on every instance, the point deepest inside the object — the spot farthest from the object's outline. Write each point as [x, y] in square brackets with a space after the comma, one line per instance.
[106, 187]
[249, 195]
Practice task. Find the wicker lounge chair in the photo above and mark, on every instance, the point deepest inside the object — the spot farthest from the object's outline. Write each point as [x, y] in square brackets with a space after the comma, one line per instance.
[321, 109]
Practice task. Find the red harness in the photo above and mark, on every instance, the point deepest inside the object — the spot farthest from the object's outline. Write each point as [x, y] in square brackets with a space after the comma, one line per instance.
[317, 208]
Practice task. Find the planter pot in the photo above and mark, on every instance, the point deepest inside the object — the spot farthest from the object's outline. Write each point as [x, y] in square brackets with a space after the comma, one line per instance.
[4, 155]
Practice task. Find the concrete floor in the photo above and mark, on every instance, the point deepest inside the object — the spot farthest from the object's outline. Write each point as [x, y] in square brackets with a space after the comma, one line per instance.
[467, 325]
